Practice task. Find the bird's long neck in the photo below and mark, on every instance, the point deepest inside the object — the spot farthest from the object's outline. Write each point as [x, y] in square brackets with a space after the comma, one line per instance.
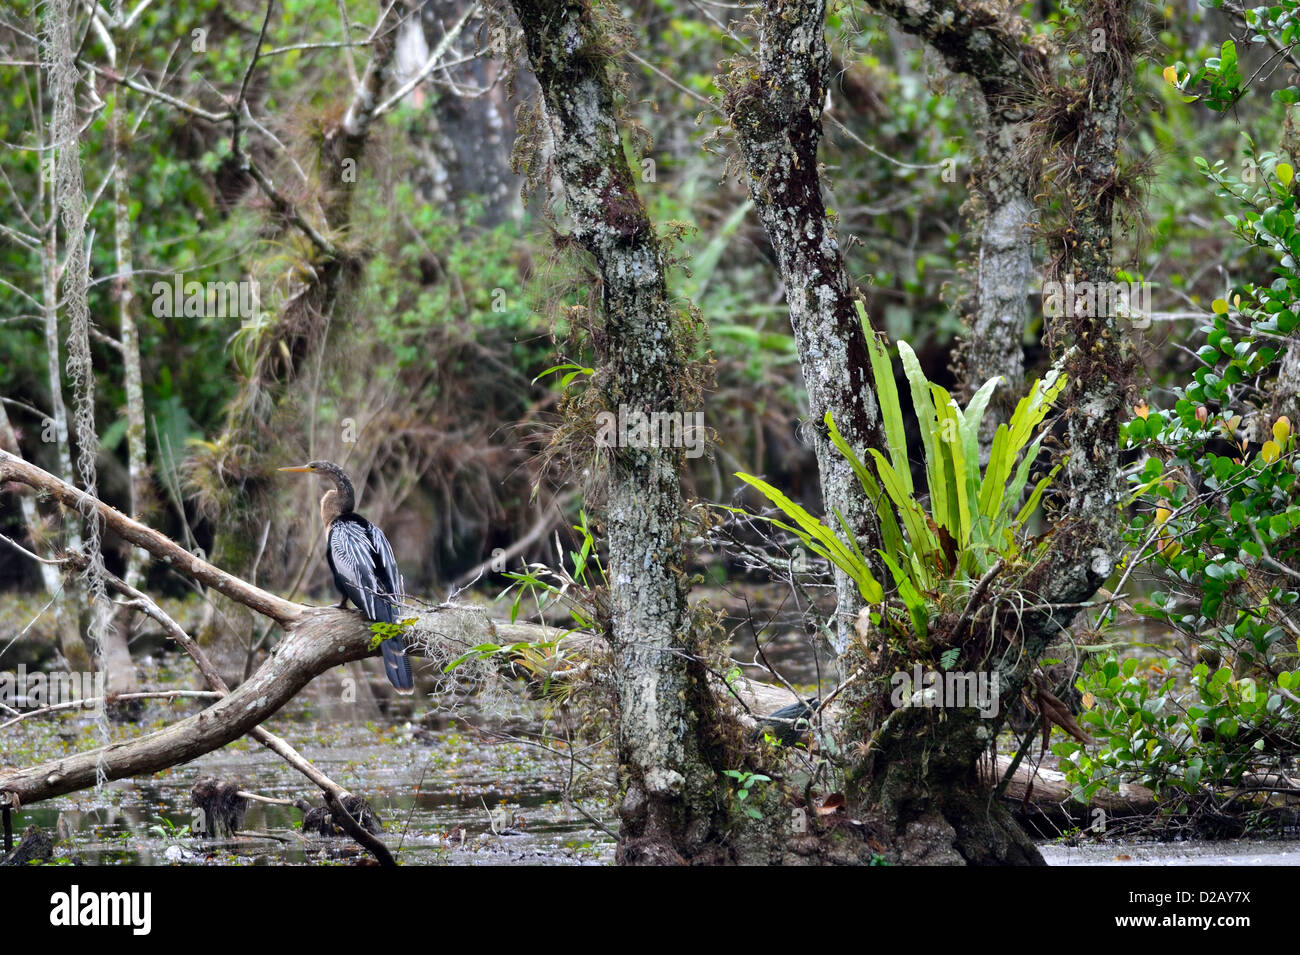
[339, 501]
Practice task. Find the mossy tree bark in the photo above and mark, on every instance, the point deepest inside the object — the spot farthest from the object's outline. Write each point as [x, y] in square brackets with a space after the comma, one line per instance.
[669, 810]
[775, 109]
[995, 48]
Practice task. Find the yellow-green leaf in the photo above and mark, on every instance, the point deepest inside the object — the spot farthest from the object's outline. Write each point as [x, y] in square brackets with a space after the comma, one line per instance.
[1281, 429]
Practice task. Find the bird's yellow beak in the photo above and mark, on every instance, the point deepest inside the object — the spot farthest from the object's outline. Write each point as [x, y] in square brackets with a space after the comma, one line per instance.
[305, 468]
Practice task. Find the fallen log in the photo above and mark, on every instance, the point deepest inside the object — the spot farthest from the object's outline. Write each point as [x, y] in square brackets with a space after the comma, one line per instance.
[316, 640]
[1049, 788]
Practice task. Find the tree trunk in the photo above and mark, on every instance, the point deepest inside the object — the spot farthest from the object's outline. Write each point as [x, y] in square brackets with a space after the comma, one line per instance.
[668, 811]
[775, 111]
[121, 671]
[129, 333]
[922, 777]
[464, 142]
[989, 45]
[69, 619]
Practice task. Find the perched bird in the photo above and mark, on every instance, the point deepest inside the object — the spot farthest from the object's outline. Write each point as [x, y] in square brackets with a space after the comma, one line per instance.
[365, 570]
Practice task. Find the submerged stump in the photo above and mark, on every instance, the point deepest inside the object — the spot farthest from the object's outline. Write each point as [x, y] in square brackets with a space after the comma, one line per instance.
[219, 808]
[320, 819]
[35, 846]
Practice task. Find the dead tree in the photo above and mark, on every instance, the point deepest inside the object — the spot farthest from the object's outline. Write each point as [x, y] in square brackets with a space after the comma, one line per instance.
[315, 639]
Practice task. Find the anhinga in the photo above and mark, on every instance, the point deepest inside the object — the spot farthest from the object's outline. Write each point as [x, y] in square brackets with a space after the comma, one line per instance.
[365, 570]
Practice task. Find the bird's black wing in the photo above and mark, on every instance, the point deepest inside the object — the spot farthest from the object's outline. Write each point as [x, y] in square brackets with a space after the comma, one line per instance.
[356, 569]
[365, 569]
[396, 663]
[390, 577]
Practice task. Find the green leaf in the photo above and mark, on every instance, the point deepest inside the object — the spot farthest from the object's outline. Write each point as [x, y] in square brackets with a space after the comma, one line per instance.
[821, 538]
[912, 598]
[926, 419]
[924, 543]
[891, 411]
[891, 535]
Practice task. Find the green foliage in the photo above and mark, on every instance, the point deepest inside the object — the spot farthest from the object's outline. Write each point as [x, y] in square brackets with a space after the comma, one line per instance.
[745, 783]
[1205, 537]
[381, 630]
[484, 651]
[974, 517]
[1217, 523]
[1175, 740]
[571, 371]
[977, 514]
[820, 539]
[577, 590]
[1221, 78]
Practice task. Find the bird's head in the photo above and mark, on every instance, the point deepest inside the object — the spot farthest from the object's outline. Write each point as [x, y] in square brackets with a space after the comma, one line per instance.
[311, 467]
[336, 502]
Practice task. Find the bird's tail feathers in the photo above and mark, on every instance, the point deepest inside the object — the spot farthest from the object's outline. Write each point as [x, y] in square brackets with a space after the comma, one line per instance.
[398, 666]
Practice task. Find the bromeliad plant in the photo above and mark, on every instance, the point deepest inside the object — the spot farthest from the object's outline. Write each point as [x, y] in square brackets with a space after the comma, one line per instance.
[971, 518]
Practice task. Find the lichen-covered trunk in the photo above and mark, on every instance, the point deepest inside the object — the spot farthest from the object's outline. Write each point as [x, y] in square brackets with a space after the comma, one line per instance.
[668, 811]
[1101, 361]
[463, 143]
[1004, 272]
[1283, 393]
[992, 46]
[129, 333]
[776, 114]
[922, 779]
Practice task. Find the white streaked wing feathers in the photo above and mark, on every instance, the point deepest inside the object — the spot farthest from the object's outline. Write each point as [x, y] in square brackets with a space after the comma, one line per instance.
[388, 561]
[352, 550]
